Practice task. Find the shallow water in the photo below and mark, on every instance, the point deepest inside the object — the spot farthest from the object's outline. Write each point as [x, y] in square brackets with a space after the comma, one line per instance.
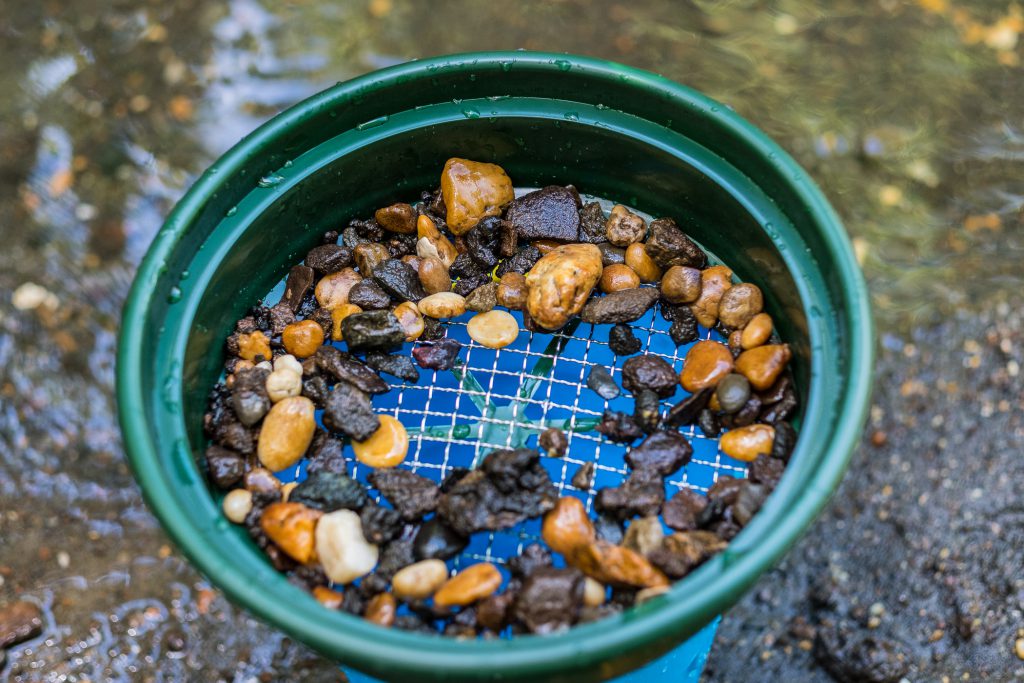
[908, 114]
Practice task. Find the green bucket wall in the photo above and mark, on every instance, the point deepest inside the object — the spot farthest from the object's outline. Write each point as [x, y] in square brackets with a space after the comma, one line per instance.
[613, 131]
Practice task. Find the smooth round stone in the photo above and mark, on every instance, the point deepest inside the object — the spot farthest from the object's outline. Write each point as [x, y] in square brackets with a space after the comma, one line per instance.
[732, 392]
[442, 305]
[237, 504]
[343, 550]
[332, 290]
[303, 338]
[494, 329]
[433, 275]
[291, 526]
[286, 433]
[420, 580]
[739, 304]
[681, 285]
[706, 364]
[642, 264]
[714, 282]
[386, 447]
[471, 584]
[757, 331]
[746, 443]
[763, 365]
[617, 277]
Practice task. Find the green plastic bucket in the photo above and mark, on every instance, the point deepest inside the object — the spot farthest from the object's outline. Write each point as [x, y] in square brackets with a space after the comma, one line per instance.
[613, 131]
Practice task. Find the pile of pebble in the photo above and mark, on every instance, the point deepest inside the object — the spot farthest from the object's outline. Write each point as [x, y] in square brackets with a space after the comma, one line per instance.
[474, 246]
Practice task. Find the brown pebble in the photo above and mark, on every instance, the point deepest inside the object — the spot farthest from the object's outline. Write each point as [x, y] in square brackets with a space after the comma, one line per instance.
[739, 304]
[512, 291]
[644, 535]
[615, 565]
[746, 443]
[260, 480]
[763, 365]
[642, 264]
[559, 284]
[381, 610]
[567, 526]
[469, 585]
[19, 621]
[706, 363]
[303, 338]
[554, 442]
[369, 255]
[624, 227]
[473, 190]
[332, 290]
[254, 346]
[681, 285]
[757, 331]
[291, 527]
[400, 218]
[545, 246]
[617, 277]
[879, 438]
[434, 275]
[714, 281]
[331, 599]
[483, 298]
[736, 342]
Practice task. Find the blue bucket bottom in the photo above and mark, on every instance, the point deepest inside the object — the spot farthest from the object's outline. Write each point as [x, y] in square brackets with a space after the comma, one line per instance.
[682, 665]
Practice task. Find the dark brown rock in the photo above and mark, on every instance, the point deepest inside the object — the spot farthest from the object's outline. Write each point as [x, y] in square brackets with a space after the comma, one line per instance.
[550, 600]
[668, 246]
[299, 282]
[548, 213]
[412, 495]
[347, 368]
[328, 258]
[681, 511]
[623, 306]
[349, 411]
[649, 372]
[19, 621]
[372, 331]
[662, 452]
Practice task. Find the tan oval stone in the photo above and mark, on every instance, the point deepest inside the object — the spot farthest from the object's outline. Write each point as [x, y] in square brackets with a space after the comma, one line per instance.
[328, 598]
[291, 527]
[739, 304]
[713, 283]
[286, 433]
[594, 593]
[442, 305]
[303, 338]
[642, 264]
[512, 291]
[494, 329]
[332, 290]
[681, 285]
[705, 365]
[567, 525]
[420, 580]
[473, 190]
[471, 584]
[757, 332]
[434, 275]
[746, 443]
[237, 505]
[559, 283]
[762, 365]
[617, 277]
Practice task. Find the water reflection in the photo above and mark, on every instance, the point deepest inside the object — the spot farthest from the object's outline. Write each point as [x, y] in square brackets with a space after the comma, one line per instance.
[908, 114]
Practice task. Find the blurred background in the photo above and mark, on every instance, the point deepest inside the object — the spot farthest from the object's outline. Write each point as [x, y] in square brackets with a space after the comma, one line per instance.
[910, 115]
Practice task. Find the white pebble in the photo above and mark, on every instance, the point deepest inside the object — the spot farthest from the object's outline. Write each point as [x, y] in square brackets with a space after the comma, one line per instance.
[265, 364]
[237, 505]
[593, 592]
[343, 550]
[283, 383]
[30, 296]
[288, 362]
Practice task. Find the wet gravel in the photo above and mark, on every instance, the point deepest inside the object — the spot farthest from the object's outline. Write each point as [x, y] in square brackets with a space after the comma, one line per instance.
[113, 112]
